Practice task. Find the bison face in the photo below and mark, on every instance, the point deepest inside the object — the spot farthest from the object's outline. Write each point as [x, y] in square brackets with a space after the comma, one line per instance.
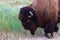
[27, 17]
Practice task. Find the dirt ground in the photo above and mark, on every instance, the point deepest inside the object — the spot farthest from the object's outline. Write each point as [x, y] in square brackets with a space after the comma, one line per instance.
[15, 36]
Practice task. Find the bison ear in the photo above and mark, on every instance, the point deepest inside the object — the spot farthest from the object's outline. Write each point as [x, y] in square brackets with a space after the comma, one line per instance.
[31, 14]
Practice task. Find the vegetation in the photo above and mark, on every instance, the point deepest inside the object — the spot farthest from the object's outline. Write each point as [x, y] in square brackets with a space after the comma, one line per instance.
[9, 11]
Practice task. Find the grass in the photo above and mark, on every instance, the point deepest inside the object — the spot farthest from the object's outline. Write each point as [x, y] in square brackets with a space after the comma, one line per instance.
[9, 11]
[9, 19]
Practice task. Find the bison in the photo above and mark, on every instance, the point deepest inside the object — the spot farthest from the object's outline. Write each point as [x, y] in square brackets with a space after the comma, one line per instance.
[43, 14]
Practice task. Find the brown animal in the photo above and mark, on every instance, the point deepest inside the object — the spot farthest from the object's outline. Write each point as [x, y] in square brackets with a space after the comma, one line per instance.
[44, 14]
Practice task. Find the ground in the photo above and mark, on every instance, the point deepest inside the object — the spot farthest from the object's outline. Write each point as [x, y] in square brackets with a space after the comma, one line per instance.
[18, 36]
[11, 36]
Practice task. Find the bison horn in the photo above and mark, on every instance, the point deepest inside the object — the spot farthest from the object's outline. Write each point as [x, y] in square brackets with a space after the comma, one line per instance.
[30, 14]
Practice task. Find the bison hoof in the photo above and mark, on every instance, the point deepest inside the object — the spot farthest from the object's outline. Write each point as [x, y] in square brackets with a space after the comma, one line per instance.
[49, 36]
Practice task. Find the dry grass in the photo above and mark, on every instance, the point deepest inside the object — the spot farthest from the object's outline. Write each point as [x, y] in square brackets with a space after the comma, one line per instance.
[18, 36]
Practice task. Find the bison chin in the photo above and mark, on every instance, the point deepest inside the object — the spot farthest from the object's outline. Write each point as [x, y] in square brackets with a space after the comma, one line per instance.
[32, 27]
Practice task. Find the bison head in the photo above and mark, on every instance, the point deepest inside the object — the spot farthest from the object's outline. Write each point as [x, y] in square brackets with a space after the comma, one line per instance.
[28, 19]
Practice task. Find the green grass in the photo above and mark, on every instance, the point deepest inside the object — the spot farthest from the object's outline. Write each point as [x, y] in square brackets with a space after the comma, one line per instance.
[9, 12]
[9, 19]
[9, 16]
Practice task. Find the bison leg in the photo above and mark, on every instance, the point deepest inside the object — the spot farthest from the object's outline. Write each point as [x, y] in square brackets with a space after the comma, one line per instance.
[49, 36]
[56, 29]
[48, 29]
